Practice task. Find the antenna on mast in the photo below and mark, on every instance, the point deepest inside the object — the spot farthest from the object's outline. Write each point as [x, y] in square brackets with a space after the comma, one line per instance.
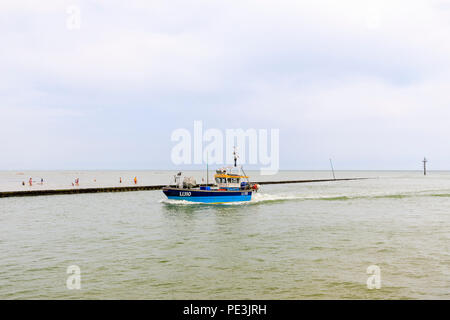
[424, 166]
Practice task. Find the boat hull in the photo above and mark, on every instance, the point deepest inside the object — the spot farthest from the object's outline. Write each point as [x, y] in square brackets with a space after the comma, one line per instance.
[208, 196]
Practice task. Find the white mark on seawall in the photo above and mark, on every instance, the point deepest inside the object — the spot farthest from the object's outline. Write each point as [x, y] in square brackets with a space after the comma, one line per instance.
[74, 280]
[374, 281]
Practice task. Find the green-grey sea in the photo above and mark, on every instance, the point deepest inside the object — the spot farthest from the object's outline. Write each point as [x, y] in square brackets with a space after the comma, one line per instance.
[292, 241]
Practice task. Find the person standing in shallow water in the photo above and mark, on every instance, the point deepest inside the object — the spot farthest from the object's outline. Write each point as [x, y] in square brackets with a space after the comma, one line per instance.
[135, 180]
[120, 180]
[30, 182]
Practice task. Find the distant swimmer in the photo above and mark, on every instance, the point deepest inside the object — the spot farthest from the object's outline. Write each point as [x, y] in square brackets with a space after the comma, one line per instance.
[135, 180]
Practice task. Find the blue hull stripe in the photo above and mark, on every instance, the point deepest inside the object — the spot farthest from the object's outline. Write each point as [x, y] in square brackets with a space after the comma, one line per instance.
[213, 199]
[208, 196]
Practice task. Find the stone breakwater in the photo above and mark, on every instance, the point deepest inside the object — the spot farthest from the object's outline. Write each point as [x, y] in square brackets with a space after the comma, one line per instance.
[29, 193]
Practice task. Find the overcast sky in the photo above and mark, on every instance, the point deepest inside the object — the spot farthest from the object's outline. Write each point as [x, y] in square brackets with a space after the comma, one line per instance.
[364, 82]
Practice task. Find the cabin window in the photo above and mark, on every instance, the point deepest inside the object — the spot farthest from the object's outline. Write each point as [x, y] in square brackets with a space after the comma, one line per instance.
[221, 180]
[228, 180]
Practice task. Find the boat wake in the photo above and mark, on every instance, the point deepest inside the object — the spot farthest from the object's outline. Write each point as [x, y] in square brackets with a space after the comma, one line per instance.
[261, 197]
[178, 202]
[264, 197]
[256, 198]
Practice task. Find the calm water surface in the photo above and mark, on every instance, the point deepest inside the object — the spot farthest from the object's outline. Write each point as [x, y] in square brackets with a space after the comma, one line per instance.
[302, 241]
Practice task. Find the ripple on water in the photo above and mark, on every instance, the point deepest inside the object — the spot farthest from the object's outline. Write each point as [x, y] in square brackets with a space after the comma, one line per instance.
[291, 242]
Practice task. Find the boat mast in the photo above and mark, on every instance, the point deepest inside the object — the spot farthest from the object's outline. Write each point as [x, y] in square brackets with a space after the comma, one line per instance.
[207, 170]
[235, 164]
[425, 166]
[332, 169]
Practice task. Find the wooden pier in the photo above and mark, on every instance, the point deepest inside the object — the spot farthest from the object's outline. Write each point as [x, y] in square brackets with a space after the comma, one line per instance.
[30, 193]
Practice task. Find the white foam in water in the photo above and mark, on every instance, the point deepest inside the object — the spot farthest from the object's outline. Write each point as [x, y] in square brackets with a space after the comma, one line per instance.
[256, 198]
[178, 202]
[262, 197]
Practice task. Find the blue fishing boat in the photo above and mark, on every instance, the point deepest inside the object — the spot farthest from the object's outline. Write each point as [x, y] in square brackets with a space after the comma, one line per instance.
[231, 185]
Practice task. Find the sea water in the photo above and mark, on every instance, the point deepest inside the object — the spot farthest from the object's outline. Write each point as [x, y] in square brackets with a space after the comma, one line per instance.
[292, 241]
